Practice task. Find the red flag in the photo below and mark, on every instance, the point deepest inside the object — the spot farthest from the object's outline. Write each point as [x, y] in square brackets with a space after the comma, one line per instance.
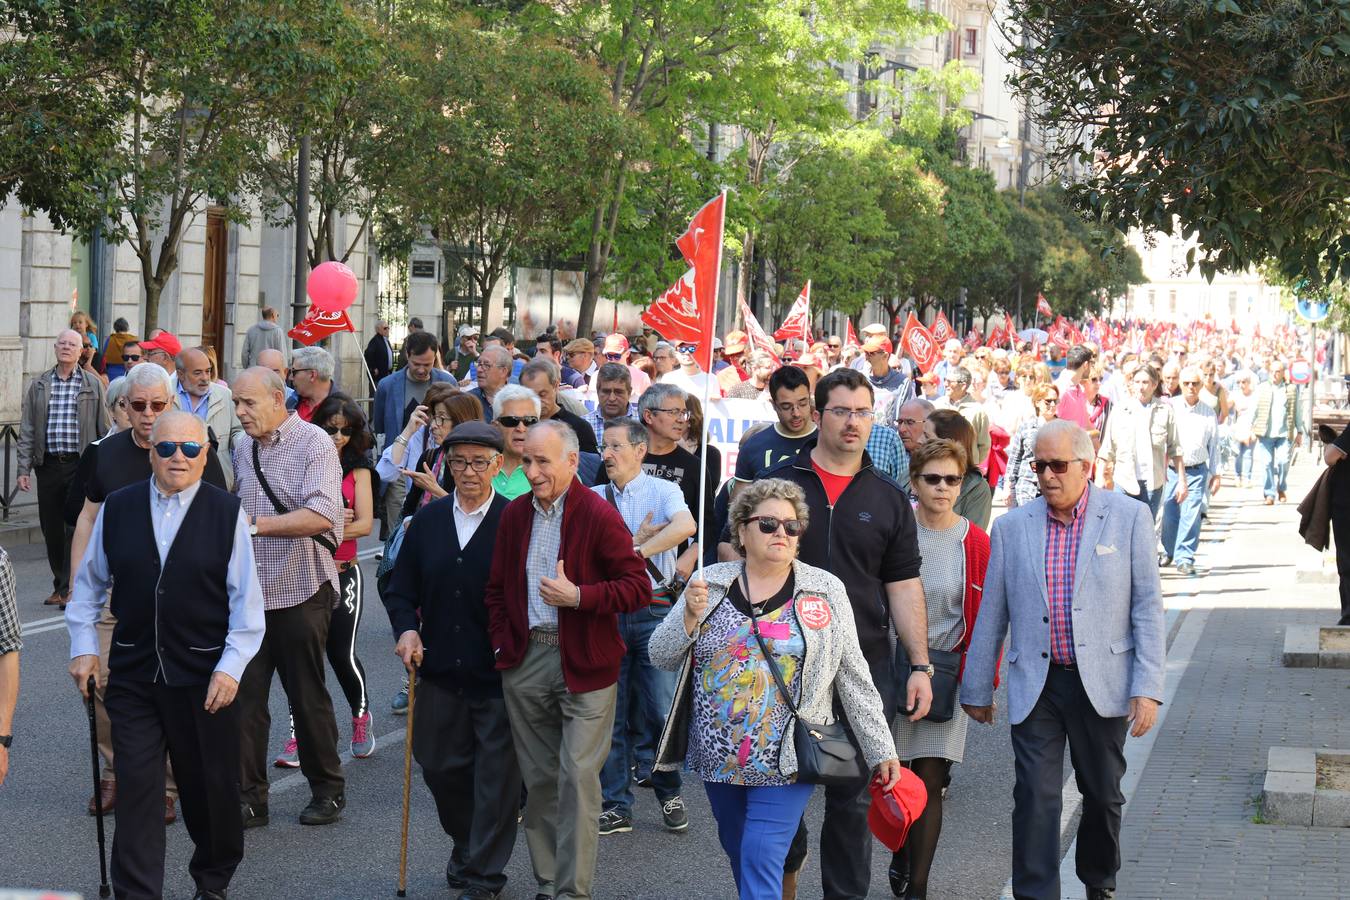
[850, 336]
[942, 329]
[797, 325]
[973, 339]
[319, 324]
[688, 310]
[1043, 306]
[1009, 330]
[753, 330]
[1036, 350]
[997, 338]
[918, 342]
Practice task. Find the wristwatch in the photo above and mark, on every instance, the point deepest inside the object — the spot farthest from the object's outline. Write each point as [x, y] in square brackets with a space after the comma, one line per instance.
[925, 669]
[252, 526]
[6, 740]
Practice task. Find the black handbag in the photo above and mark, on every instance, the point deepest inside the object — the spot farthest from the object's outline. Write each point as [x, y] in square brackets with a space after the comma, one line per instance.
[946, 664]
[826, 753]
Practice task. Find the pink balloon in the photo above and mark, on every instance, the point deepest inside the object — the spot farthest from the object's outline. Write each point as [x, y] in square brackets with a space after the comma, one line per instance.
[332, 286]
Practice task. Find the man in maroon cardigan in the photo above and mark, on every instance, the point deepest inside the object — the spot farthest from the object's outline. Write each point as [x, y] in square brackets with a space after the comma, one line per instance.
[564, 569]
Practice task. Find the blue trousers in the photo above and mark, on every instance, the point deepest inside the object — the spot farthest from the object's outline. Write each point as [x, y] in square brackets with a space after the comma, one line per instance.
[655, 689]
[1181, 521]
[755, 826]
[1153, 498]
[1272, 459]
[1242, 465]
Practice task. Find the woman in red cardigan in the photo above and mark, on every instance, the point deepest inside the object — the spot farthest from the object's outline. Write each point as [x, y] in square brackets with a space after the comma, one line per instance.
[955, 555]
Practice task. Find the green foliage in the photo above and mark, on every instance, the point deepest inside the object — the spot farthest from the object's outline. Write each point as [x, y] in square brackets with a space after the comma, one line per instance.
[1223, 120]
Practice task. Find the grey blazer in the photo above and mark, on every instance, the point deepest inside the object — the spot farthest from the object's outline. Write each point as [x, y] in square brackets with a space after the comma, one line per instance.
[1118, 630]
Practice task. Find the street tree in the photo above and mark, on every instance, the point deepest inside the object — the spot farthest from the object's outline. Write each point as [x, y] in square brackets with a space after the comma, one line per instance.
[1219, 119]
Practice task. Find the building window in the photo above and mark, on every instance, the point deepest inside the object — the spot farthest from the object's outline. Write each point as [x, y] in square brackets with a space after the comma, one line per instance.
[1172, 302]
[1232, 303]
[1152, 300]
[971, 42]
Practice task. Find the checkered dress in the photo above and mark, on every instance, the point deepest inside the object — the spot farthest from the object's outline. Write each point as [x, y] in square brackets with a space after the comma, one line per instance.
[63, 413]
[10, 639]
[302, 468]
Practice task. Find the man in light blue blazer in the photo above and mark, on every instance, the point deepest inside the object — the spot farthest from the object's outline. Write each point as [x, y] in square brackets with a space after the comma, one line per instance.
[1074, 581]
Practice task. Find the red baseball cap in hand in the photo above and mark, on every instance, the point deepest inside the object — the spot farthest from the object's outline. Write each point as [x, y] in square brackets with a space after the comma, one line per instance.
[893, 812]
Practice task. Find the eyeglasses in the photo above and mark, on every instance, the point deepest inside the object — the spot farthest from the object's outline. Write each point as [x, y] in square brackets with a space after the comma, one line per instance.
[1058, 466]
[909, 423]
[1190, 384]
[804, 403]
[157, 405]
[686, 348]
[770, 525]
[166, 449]
[615, 448]
[843, 412]
[131, 357]
[613, 357]
[517, 421]
[932, 479]
[300, 371]
[835, 346]
[679, 413]
[480, 465]
[348, 430]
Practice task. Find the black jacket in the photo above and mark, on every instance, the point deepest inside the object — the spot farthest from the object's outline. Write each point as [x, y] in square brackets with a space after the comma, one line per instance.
[446, 582]
[868, 539]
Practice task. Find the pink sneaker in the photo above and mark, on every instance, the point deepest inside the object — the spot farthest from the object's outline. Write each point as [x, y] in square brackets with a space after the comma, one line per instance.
[289, 757]
[363, 741]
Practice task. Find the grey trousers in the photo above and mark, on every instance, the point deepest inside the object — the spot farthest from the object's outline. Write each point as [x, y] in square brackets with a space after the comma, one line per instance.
[469, 764]
[562, 740]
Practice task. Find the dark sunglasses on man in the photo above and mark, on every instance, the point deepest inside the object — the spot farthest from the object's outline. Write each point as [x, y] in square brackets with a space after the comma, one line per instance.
[131, 357]
[157, 405]
[686, 348]
[166, 449]
[614, 357]
[1058, 466]
[517, 421]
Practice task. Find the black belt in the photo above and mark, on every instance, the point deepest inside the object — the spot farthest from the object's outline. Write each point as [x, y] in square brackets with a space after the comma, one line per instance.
[62, 457]
[1067, 667]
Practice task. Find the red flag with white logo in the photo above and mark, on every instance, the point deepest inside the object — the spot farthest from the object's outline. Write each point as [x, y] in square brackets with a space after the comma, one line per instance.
[320, 324]
[942, 329]
[1043, 306]
[997, 338]
[850, 336]
[687, 312]
[759, 339]
[973, 339]
[797, 325]
[918, 343]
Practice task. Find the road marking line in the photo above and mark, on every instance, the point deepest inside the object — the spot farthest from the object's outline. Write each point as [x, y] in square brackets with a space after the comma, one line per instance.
[48, 621]
[55, 626]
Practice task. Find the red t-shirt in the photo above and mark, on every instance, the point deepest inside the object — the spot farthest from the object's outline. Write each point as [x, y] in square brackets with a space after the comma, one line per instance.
[305, 410]
[834, 484]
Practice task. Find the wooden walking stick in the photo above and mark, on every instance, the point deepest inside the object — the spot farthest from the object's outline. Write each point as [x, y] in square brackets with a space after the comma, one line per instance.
[103, 889]
[407, 784]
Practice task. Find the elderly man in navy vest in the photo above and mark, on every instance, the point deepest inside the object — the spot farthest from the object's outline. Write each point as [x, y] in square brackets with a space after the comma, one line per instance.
[189, 619]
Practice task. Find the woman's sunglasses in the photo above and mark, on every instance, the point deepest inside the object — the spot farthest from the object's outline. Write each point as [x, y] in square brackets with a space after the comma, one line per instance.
[347, 430]
[1058, 466]
[157, 405]
[770, 525]
[517, 421]
[166, 449]
[932, 479]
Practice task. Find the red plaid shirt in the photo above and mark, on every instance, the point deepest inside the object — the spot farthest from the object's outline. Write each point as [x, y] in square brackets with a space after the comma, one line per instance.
[1061, 559]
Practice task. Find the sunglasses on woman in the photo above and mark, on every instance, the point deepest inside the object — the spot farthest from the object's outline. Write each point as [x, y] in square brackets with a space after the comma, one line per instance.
[347, 430]
[157, 405]
[517, 421]
[932, 479]
[770, 525]
[1058, 466]
[166, 449]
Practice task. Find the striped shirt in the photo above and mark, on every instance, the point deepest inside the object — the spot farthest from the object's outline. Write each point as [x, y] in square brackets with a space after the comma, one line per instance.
[63, 413]
[541, 561]
[597, 420]
[302, 468]
[1061, 560]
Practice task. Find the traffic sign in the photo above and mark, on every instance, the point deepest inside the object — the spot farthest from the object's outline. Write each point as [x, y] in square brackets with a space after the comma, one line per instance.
[1300, 371]
[1312, 311]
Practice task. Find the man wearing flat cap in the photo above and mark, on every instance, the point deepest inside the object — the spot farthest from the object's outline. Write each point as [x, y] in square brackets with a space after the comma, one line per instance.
[461, 734]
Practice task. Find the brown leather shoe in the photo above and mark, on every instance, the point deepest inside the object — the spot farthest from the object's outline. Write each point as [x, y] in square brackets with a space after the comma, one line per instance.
[56, 599]
[170, 814]
[1283, 496]
[108, 789]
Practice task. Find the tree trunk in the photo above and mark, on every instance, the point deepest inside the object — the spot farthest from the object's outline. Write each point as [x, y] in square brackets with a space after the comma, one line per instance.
[152, 292]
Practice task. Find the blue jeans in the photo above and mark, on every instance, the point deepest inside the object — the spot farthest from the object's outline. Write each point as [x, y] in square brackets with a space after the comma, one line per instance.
[1272, 457]
[1153, 498]
[1242, 466]
[656, 690]
[755, 826]
[1181, 521]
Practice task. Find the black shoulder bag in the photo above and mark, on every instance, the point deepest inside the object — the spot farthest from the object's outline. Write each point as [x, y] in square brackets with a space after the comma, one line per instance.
[826, 753]
[668, 590]
[319, 539]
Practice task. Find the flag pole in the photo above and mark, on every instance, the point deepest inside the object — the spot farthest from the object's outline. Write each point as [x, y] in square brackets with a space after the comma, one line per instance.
[370, 376]
[707, 389]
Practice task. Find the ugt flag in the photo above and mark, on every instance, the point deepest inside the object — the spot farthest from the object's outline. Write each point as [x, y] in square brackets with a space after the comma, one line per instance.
[1043, 306]
[918, 343]
[687, 310]
[797, 325]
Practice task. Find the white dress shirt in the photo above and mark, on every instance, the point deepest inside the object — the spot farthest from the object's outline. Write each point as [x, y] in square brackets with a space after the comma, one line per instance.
[466, 523]
[1198, 433]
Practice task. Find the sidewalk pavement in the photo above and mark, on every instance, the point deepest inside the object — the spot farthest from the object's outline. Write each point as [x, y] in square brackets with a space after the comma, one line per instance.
[1192, 827]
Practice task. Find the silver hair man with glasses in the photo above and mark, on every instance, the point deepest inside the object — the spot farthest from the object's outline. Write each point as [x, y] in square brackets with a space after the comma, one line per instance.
[111, 464]
[655, 512]
[494, 372]
[959, 398]
[312, 373]
[189, 620]
[663, 413]
[1073, 584]
[461, 735]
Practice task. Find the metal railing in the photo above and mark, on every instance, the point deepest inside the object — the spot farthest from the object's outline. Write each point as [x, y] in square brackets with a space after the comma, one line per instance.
[9, 443]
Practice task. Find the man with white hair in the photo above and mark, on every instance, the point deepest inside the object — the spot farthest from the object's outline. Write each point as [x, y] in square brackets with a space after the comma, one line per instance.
[1083, 614]
[952, 353]
[494, 367]
[1198, 434]
[63, 411]
[312, 372]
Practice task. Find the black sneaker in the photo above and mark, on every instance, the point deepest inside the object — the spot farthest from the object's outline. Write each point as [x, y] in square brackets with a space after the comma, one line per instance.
[478, 892]
[674, 814]
[614, 822]
[642, 777]
[323, 810]
[254, 816]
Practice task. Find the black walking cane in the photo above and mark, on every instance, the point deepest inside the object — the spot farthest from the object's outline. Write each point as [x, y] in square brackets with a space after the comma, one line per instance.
[103, 889]
[407, 784]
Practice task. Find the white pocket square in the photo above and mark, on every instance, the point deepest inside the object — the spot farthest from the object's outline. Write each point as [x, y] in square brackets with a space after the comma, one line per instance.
[1103, 549]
